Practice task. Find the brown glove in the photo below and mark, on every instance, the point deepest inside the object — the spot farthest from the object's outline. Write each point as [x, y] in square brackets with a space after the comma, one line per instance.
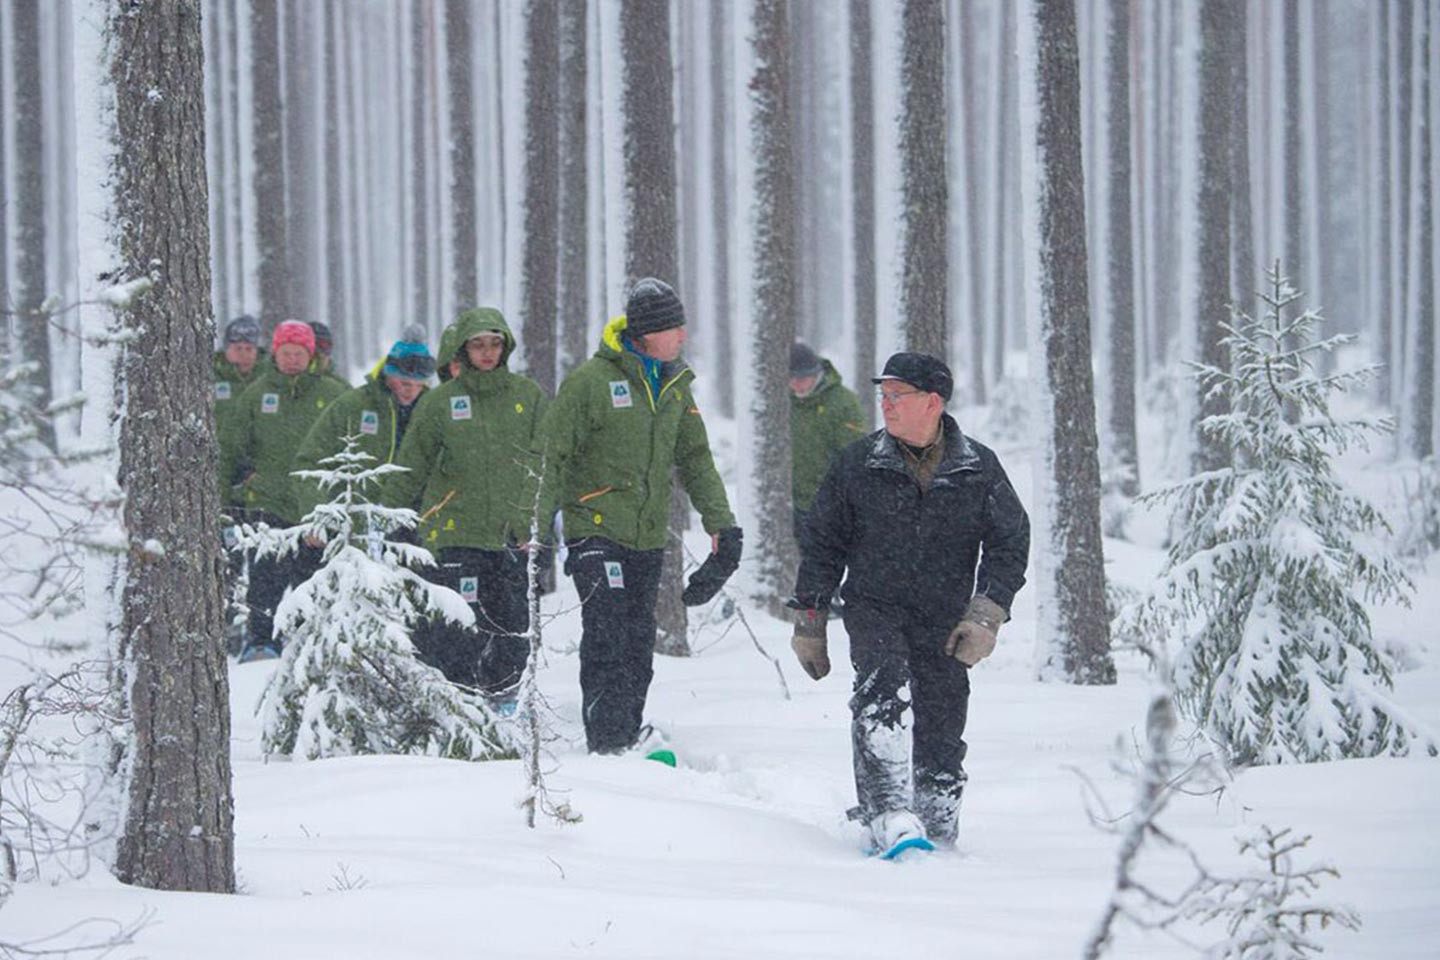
[809, 642]
[973, 638]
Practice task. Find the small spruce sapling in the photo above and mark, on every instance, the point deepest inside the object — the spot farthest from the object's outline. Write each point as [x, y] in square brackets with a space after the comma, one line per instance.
[1270, 573]
[348, 681]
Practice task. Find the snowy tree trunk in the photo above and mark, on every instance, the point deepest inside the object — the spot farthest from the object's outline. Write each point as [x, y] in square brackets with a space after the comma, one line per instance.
[765, 433]
[862, 193]
[1211, 242]
[1418, 413]
[572, 295]
[268, 144]
[464, 249]
[720, 191]
[1073, 634]
[924, 186]
[542, 182]
[975, 135]
[1294, 182]
[32, 326]
[1242, 218]
[299, 92]
[1000, 179]
[1124, 457]
[419, 132]
[1402, 46]
[334, 301]
[216, 162]
[1383, 214]
[178, 830]
[5, 345]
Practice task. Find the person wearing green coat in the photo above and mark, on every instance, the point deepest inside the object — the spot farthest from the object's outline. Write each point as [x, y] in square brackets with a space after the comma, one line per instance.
[377, 413]
[256, 450]
[323, 362]
[238, 365]
[620, 424]
[825, 417]
[472, 475]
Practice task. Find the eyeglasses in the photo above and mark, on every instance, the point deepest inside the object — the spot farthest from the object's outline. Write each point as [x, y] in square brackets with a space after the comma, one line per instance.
[895, 396]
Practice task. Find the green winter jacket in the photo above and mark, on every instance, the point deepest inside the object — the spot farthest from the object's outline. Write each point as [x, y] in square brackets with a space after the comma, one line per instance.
[229, 384]
[256, 449]
[610, 447]
[470, 450]
[368, 412]
[821, 425]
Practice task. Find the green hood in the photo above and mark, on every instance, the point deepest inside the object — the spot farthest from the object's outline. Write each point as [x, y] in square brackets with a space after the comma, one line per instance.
[480, 320]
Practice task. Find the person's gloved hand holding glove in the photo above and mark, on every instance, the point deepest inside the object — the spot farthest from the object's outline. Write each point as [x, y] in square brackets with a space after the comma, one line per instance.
[973, 638]
[717, 568]
[809, 642]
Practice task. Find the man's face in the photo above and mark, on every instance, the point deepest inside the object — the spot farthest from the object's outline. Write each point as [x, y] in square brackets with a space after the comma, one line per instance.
[242, 355]
[485, 350]
[322, 360]
[664, 345]
[405, 389]
[801, 386]
[910, 414]
[291, 358]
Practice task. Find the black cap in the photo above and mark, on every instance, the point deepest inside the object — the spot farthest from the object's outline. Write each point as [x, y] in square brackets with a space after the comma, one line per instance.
[323, 339]
[804, 362]
[652, 306]
[243, 329]
[921, 371]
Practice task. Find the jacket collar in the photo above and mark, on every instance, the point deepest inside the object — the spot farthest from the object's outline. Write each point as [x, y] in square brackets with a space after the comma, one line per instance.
[612, 349]
[960, 454]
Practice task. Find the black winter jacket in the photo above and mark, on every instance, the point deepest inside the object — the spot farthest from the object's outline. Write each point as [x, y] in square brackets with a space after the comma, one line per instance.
[917, 551]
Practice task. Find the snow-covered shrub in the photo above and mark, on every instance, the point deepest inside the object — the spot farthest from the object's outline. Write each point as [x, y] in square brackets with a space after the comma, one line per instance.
[348, 681]
[1267, 580]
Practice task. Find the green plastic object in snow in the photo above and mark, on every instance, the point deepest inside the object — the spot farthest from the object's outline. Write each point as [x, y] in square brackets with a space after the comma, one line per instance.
[666, 757]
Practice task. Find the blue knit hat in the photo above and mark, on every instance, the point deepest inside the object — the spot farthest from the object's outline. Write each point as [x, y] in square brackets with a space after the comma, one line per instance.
[409, 360]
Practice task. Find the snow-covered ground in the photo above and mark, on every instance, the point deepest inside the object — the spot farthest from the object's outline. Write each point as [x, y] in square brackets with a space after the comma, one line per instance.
[743, 851]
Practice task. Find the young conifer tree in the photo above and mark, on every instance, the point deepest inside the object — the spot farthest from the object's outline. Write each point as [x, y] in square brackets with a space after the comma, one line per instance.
[349, 682]
[1269, 577]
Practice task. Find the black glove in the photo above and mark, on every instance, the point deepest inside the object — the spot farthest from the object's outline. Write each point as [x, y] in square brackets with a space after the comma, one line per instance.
[717, 568]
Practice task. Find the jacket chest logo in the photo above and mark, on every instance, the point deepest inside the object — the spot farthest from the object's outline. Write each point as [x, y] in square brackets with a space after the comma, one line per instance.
[369, 422]
[270, 403]
[222, 391]
[620, 396]
[460, 408]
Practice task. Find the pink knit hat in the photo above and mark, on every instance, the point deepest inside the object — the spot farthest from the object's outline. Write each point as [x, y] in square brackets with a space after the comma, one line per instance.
[294, 331]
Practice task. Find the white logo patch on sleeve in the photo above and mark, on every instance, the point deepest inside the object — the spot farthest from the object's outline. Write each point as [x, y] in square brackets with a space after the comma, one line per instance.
[470, 589]
[369, 422]
[460, 408]
[222, 391]
[615, 574]
[620, 397]
[270, 403]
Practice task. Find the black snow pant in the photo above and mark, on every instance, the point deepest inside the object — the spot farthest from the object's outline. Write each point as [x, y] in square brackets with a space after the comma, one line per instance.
[618, 588]
[270, 577]
[892, 647]
[490, 656]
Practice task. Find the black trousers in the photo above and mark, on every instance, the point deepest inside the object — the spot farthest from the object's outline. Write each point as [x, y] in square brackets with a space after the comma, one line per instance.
[618, 587]
[270, 577]
[491, 655]
[892, 648]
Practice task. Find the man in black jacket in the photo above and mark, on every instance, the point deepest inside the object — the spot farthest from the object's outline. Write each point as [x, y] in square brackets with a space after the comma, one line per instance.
[932, 543]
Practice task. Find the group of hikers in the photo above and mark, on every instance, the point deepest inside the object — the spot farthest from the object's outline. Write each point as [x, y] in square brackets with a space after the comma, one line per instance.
[921, 517]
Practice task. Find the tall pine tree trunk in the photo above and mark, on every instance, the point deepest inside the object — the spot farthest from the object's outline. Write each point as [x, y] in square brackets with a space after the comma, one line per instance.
[862, 198]
[1124, 454]
[720, 190]
[1073, 635]
[335, 304]
[32, 324]
[268, 185]
[216, 161]
[419, 160]
[178, 832]
[299, 157]
[542, 181]
[1418, 414]
[572, 295]
[1402, 50]
[973, 165]
[1383, 214]
[924, 185]
[1243, 279]
[464, 240]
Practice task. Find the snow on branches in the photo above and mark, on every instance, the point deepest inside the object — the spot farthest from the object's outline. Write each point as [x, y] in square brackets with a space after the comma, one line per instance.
[1269, 574]
[349, 681]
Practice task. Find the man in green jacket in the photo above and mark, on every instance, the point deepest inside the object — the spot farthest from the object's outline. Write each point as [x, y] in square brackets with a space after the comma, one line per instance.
[377, 412]
[256, 449]
[239, 364]
[323, 362]
[621, 422]
[472, 474]
[825, 417]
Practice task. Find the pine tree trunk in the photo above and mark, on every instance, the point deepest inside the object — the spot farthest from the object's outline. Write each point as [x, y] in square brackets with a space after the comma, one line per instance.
[268, 185]
[464, 240]
[542, 182]
[216, 162]
[1212, 245]
[773, 310]
[1124, 448]
[924, 184]
[1419, 411]
[1294, 184]
[572, 295]
[720, 189]
[1000, 181]
[1243, 279]
[335, 304]
[1402, 48]
[419, 165]
[6, 348]
[1074, 627]
[862, 169]
[1383, 216]
[973, 165]
[299, 156]
[32, 325]
[179, 831]
[239, 141]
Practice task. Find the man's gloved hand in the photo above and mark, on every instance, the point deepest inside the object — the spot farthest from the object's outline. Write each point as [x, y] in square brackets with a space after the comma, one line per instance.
[717, 568]
[973, 638]
[809, 642]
